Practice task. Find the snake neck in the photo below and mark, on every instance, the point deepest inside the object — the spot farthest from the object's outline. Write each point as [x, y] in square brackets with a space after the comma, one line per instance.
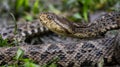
[100, 26]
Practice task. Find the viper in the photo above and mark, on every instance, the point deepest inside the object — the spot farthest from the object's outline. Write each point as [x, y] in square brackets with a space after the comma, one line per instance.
[63, 26]
[70, 52]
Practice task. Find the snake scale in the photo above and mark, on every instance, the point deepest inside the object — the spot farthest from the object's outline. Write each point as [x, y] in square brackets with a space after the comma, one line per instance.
[23, 31]
[71, 54]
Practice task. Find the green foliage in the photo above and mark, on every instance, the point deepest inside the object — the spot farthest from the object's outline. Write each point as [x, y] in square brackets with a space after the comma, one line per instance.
[84, 7]
[116, 7]
[77, 16]
[28, 63]
[3, 42]
[19, 54]
[53, 65]
[101, 63]
[35, 8]
[22, 8]
[53, 9]
[28, 17]
[15, 29]
[21, 5]
[15, 22]
[26, 4]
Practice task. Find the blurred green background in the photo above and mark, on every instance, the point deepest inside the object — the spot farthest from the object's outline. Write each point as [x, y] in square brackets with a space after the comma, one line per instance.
[75, 10]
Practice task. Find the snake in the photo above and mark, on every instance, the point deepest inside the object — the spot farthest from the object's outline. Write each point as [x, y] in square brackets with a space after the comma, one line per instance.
[70, 54]
[63, 26]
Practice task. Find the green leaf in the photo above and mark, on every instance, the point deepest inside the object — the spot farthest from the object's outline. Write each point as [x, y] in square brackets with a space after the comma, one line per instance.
[3, 42]
[28, 17]
[15, 23]
[77, 16]
[101, 63]
[70, 2]
[45, 65]
[85, 14]
[53, 65]
[26, 4]
[19, 4]
[36, 7]
[53, 9]
[19, 54]
[29, 64]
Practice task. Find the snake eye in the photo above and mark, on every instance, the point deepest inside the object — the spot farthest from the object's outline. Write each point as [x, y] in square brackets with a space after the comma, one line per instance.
[50, 17]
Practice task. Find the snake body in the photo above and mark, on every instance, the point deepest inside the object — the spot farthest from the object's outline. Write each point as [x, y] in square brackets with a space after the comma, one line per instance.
[24, 30]
[68, 54]
[71, 54]
[63, 26]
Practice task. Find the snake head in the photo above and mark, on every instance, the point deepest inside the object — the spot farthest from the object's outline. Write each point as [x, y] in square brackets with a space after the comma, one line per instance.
[55, 23]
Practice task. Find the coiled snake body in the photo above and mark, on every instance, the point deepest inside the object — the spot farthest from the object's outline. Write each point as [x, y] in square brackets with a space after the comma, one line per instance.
[71, 54]
[62, 26]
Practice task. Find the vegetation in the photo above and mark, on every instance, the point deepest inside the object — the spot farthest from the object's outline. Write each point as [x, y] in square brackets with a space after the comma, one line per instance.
[73, 9]
[3, 42]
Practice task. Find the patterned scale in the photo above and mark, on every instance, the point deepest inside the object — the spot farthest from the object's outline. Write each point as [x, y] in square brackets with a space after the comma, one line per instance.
[23, 30]
[70, 54]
